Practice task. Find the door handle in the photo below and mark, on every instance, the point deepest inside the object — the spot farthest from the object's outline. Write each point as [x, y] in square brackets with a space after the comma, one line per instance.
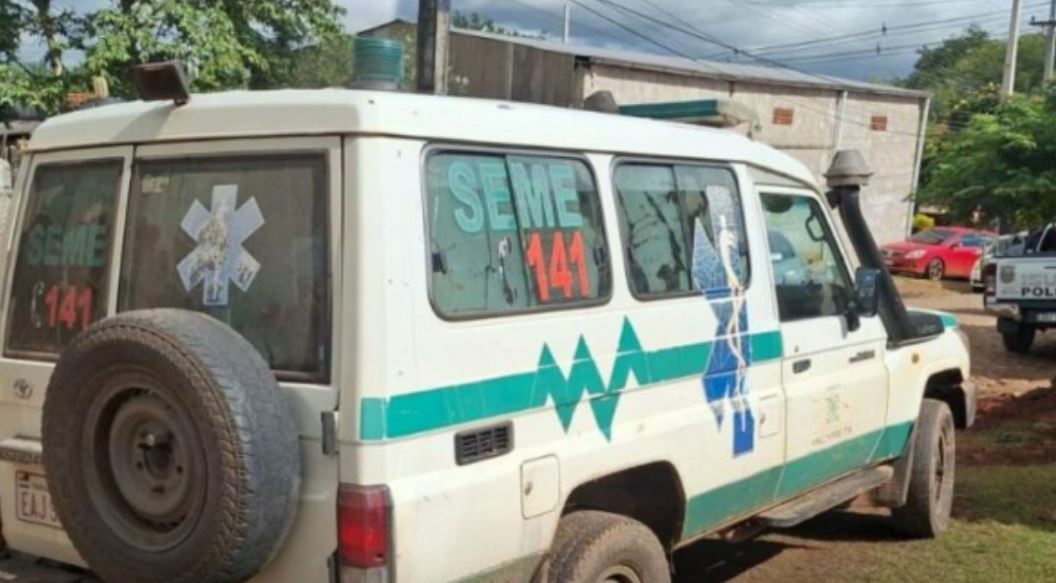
[801, 365]
[863, 356]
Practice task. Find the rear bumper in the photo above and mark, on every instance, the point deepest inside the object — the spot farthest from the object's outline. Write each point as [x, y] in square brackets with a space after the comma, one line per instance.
[1010, 314]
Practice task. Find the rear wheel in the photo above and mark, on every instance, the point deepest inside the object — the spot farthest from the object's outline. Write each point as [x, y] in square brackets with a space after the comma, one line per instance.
[599, 547]
[1020, 340]
[170, 450]
[935, 270]
[930, 500]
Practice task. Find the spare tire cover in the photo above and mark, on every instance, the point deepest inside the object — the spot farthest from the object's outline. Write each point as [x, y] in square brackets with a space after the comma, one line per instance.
[170, 450]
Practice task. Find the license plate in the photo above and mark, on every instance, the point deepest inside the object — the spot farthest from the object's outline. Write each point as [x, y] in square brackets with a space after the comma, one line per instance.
[1047, 317]
[33, 501]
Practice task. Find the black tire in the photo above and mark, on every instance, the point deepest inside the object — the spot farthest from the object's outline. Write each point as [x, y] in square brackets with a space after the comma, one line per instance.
[930, 500]
[935, 270]
[592, 547]
[1021, 340]
[170, 451]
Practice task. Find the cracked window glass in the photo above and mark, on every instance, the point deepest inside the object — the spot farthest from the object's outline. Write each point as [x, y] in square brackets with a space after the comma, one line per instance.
[810, 278]
[683, 230]
[59, 287]
[510, 233]
[243, 239]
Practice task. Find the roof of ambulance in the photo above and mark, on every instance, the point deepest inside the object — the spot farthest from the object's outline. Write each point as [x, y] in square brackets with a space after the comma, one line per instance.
[241, 114]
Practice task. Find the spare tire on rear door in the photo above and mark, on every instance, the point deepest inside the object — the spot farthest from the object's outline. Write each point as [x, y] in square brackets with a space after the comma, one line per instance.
[170, 451]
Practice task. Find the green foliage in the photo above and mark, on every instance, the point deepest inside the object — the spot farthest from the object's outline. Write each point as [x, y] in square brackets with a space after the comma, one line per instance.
[954, 71]
[922, 222]
[326, 64]
[225, 43]
[1000, 163]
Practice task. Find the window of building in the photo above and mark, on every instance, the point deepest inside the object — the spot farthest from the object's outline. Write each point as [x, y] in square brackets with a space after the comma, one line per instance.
[510, 233]
[878, 123]
[783, 116]
[243, 239]
[683, 230]
[809, 274]
[59, 286]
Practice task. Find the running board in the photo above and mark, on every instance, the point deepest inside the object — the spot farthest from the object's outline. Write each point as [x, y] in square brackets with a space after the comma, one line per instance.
[825, 498]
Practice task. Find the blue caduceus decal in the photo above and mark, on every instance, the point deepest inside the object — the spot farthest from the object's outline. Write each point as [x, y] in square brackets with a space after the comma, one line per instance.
[716, 273]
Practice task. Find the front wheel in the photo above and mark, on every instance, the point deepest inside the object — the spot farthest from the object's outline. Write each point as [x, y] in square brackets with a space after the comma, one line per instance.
[930, 500]
[935, 270]
[599, 547]
[1020, 340]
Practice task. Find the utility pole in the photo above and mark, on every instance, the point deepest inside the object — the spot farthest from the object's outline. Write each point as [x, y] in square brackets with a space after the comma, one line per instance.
[568, 20]
[1050, 39]
[434, 27]
[1008, 81]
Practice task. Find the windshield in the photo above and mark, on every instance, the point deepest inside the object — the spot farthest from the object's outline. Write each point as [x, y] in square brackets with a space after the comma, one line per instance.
[931, 237]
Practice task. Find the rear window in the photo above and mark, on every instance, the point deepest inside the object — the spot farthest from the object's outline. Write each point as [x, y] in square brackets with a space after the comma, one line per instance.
[243, 239]
[60, 279]
[932, 236]
[510, 233]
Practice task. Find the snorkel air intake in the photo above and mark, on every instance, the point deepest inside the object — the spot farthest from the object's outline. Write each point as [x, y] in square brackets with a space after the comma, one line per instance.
[846, 177]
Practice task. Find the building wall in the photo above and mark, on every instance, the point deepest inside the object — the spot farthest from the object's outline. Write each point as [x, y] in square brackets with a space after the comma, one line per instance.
[814, 134]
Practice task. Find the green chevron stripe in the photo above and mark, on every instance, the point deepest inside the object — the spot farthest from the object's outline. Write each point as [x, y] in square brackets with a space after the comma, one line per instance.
[436, 408]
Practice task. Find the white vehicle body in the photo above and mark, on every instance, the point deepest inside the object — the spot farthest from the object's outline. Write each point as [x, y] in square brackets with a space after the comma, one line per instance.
[1021, 289]
[722, 417]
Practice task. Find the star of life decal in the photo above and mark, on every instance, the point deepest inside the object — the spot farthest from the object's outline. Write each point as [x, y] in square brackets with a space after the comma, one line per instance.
[219, 259]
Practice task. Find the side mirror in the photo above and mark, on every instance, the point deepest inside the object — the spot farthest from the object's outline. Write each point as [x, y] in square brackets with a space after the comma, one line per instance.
[867, 291]
[866, 302]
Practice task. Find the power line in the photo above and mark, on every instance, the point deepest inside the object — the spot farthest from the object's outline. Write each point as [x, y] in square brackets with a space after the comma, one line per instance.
[711, 39]
[874, 32]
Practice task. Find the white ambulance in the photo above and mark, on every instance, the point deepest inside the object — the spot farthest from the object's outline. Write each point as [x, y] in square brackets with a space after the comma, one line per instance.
[308, 336]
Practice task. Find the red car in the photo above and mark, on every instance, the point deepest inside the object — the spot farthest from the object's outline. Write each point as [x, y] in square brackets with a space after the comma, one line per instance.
[937, 253]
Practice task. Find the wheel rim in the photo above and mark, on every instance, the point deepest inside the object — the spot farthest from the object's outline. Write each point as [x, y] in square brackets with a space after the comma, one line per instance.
[144, 464]
[935, 269]
[619, 574]
[940, 468]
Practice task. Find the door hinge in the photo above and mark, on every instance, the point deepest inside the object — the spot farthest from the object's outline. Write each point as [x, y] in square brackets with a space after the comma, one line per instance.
[329, 422]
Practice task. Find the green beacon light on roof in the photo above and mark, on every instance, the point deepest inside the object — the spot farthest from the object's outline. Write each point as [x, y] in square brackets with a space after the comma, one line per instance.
[378, 63]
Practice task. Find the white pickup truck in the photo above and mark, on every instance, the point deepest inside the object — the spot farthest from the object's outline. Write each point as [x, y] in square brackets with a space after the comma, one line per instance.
[1021, 290]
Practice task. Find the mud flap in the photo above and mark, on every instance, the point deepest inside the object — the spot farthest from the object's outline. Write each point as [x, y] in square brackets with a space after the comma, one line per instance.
[895, 492]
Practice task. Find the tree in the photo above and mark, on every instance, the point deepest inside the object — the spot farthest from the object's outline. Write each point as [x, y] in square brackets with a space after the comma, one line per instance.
[1000, 163]
[954, 71]
[225, 43]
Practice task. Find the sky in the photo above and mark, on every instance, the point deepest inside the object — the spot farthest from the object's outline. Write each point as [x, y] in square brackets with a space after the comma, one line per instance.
[835, 37]
[843, 36]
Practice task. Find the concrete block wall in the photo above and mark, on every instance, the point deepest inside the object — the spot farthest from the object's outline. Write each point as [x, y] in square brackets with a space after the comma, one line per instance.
[813, 135]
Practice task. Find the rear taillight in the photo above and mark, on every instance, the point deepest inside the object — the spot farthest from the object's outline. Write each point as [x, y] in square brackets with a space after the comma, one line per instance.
[990, 279]
[363, 526]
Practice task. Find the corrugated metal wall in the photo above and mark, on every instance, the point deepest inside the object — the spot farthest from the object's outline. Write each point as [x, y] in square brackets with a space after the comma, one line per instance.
[483, 67]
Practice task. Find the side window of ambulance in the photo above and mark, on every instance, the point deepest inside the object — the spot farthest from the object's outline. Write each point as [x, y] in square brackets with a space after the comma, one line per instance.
[60, 278]
[243, 239]
[809, 275]
[510, 233]
[682, 228]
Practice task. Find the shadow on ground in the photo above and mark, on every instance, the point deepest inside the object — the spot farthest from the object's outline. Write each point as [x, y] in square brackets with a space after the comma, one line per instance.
[716, 561]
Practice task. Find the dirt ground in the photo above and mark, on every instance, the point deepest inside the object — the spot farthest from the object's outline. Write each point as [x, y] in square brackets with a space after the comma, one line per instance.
[1004, 526]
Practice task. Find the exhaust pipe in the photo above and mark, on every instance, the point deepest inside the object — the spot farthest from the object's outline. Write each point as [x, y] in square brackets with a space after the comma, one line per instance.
[846, 177]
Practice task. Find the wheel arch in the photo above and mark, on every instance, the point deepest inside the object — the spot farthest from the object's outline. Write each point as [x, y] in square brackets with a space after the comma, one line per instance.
[651, 493]
[949, 387]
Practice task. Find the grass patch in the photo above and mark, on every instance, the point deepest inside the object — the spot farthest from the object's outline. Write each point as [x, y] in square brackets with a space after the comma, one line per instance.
[1004, 530]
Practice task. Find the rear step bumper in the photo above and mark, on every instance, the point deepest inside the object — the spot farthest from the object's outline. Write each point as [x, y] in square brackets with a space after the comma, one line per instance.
[825, 498]
[22, 450]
